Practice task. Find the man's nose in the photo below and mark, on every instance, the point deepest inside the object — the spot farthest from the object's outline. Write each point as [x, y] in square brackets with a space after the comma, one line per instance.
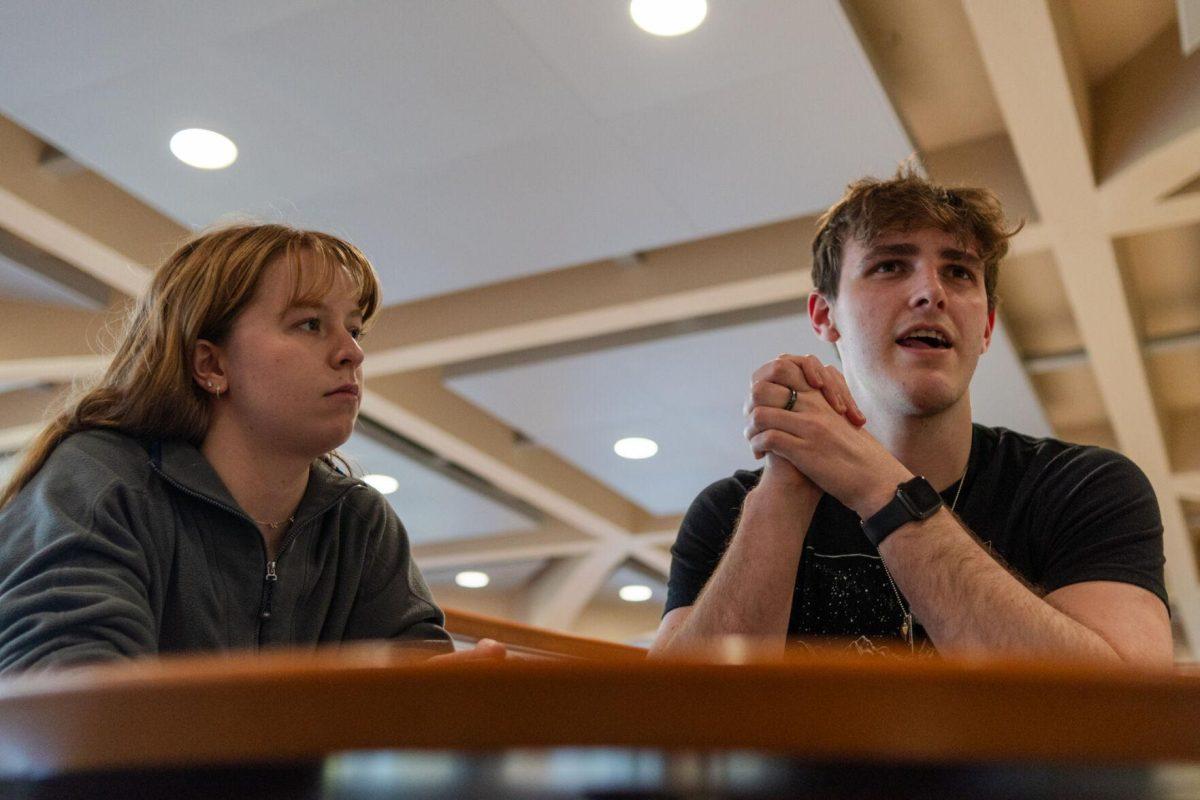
[928, 288]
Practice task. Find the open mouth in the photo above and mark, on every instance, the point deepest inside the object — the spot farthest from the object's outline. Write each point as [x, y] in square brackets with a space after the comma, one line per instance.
[924, 340]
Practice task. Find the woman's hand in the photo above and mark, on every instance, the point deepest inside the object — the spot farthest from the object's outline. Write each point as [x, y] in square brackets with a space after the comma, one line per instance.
[484, 650]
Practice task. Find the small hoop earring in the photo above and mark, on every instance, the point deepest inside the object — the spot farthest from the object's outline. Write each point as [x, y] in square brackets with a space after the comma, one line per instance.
[218, 392]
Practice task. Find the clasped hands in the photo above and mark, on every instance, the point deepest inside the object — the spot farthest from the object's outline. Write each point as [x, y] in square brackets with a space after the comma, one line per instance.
[820, 444]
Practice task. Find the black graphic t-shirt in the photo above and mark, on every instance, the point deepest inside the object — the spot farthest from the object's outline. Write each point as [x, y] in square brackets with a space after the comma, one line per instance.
[1055, 513]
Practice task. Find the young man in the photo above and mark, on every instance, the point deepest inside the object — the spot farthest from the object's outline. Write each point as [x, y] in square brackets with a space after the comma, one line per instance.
[883, 514]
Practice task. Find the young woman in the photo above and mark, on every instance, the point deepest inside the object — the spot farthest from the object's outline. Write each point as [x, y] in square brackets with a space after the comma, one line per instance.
[191, 499]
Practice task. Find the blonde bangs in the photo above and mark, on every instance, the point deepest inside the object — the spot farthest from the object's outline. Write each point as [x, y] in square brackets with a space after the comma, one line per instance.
[329, 258]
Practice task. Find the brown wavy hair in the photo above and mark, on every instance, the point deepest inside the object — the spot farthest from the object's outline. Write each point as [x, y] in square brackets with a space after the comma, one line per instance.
[871, 207]
[148, 390]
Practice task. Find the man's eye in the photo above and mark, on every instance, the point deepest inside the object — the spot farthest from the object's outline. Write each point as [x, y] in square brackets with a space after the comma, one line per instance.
[887, 266]
[963, 273]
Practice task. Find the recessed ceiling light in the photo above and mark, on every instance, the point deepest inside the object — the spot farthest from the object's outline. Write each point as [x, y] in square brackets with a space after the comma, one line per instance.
[384, 484]
[635, 447]
[635, 593]
[203, 149]
[668, 17]
[472, 580]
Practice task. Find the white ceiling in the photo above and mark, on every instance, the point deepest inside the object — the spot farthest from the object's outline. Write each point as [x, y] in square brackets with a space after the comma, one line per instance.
[460, 142]
[464, 142]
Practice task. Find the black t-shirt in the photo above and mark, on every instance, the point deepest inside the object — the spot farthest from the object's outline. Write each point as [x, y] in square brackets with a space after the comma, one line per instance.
[1055, 513]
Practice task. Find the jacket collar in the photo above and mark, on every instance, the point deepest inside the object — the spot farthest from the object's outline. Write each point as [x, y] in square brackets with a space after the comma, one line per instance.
[184, 466]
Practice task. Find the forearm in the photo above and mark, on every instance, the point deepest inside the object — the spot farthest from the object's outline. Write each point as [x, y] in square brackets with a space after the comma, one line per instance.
[750, 592]
[970, 604]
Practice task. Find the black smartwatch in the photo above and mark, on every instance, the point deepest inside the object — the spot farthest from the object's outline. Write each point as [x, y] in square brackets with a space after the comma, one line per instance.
[915, 500]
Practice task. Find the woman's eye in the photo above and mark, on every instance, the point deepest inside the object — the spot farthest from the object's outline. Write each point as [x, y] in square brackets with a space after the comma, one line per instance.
[357, 333]
[311, 324]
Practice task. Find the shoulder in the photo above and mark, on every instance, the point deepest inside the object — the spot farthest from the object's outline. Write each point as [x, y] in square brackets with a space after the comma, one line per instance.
[362, 505]
[97, 457]
[729, 492]
[1051, 461]
[736, 486]
[718, 506]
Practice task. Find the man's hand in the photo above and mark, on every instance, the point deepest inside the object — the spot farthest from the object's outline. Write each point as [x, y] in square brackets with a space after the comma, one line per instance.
[821, 437]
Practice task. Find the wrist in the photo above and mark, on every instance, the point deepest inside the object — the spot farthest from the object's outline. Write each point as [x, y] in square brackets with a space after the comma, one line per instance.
[879, 491]
[786, 480]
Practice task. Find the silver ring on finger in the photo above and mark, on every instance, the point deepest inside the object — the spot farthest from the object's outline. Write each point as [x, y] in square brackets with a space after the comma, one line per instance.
[791, 402]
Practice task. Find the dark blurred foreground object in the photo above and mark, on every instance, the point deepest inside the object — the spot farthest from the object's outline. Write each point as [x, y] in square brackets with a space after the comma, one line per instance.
[375, 721]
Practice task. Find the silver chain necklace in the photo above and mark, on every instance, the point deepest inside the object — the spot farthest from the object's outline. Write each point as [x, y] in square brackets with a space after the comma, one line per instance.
[906, 621]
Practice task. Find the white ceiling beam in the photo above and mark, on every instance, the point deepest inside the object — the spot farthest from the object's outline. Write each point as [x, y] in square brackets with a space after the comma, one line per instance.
[1171, 212]
[557, 597]
[61, 240]
[1019, 44]
[653, 557]
[82, 219]
[418, 406]
[503, 547]
[725, 273]
[54, 369]
[1033, 238]
[14, 438]
[667, 524]
[1187, 484]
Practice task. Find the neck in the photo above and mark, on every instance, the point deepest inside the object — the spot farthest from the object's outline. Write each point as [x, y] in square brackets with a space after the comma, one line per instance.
[267, 485]
[936, 446]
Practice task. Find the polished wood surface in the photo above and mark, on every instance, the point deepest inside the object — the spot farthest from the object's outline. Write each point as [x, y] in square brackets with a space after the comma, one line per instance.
[288, 706]
[469, 625]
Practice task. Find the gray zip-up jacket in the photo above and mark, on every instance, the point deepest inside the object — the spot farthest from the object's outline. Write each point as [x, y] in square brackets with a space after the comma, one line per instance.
[116, 549]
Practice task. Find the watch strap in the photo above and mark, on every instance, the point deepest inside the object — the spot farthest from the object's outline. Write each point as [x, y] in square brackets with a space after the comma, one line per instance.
[914, 500]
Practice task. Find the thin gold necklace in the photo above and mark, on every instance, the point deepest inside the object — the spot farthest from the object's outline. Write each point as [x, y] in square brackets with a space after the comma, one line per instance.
[277, 525]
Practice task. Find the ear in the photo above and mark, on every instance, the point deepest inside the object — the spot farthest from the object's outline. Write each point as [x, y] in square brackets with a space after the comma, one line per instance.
[820, 316]
[208, 367]
[987, 332]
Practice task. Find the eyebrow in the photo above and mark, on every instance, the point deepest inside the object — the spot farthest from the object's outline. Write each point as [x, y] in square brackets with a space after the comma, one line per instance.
[905, 249]
[358, 312]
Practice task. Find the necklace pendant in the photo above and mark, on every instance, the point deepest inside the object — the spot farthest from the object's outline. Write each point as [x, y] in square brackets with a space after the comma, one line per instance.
[906, 628]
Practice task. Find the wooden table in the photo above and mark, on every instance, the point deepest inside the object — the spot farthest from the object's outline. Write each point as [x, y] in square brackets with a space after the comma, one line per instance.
[304, 724]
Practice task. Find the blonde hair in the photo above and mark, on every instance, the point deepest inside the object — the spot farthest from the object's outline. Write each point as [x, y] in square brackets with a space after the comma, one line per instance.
[147, 390]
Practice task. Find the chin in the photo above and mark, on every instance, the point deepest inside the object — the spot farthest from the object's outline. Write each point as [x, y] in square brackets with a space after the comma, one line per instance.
[928, 400]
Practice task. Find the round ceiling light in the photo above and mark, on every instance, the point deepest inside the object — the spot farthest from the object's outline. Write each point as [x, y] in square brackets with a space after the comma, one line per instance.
[472, 580]
[203, 149]
[635, 447]
[668, 17]
[635, 593]
[384, 484]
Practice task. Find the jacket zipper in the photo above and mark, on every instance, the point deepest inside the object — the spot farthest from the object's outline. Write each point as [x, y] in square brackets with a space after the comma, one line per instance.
[271, 577]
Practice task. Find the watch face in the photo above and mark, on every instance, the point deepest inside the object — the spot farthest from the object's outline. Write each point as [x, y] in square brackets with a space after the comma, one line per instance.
[920, 498]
